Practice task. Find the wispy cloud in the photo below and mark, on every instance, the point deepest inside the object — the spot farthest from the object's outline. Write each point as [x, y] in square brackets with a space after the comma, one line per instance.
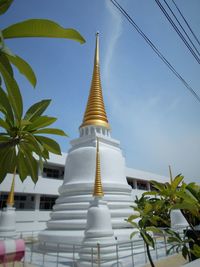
[115, 30]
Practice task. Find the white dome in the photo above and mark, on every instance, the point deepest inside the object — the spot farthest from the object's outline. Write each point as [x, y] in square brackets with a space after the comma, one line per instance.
[80, 165]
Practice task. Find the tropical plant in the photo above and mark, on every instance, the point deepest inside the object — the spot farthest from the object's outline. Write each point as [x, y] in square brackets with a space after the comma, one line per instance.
[147, 220]
[153, 209]
[194, 190]
[186, 198]
[22, 142]
[159, 209]
[178, 195]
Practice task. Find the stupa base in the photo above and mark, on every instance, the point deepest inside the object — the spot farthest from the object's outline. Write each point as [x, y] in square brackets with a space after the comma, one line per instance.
[49, 239]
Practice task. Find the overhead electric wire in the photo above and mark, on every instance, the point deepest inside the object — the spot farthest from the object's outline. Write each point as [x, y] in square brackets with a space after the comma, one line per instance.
[177, 30]
[155, 49]
[179, 23]
[186, 22]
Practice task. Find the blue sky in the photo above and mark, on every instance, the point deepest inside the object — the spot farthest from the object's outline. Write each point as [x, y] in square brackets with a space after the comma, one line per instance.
[150, 111]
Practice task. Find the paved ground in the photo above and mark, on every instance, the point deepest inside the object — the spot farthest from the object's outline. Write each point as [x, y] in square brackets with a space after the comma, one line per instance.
[17, 264]
[175, 261]
[172, 261]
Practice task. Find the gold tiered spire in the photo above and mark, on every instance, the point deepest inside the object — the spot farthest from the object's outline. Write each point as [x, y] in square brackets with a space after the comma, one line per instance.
[10, 200]
[98, 189]
[95, 113]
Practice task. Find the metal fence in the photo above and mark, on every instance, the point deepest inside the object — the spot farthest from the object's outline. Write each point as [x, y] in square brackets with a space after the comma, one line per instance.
[130, 253]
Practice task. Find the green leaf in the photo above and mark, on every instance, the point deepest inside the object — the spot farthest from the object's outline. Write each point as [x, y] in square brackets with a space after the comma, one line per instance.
[4, 125]
[194, 189]
[24, 68]
[51, 131]
[6, 50]
[37, 109]
[2, 110]
[196, 250]
[176, 182]
[45, 154]
[148, 239]
[24, 123]
[49, 144]
[169, 231]
[41, 28]
[4, 60]
[3, 158]
[5, 143]
[4, 5]
[7, 161]
[4, 102]
[158, 185]
[141, 223]
[22, 166]
[40, 122]
[10, 164]
[133, 217]
[185, 252]
[185, 206]
[33, 144]
[133, 234]
[14, 94]
[4, 137]
[31, 162]
[147, 208]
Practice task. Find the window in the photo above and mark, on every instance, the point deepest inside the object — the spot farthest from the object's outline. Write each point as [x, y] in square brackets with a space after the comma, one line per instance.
[52, 171]
[47, 202]
[22, 201]
[3, 199]
[131, 182]
[142, 185]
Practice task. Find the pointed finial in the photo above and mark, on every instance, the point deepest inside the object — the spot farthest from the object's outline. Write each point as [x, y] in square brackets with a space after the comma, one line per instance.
[98, 189]
[96, 57]
[10, 200]
[95, 113]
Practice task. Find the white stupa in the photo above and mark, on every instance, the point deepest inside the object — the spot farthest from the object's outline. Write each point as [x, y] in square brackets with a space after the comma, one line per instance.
[68, 218]
[8, 215]
[98, 233]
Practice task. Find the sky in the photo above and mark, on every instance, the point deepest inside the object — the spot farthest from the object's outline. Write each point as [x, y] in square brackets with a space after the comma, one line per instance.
[154, 116]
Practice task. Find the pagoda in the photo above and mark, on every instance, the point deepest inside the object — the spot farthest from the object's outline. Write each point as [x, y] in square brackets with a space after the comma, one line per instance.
[69, 216]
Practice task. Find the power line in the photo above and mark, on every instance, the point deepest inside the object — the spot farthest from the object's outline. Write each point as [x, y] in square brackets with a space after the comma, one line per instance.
[155, 49]
[186, 22]
[182, 27]
[177, 30]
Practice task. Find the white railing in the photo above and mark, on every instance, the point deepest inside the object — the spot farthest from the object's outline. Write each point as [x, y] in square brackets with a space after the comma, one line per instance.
[130, 253]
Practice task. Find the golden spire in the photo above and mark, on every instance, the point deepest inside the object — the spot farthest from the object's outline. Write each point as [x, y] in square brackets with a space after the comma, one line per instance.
[95, 113]
[98, 189]
[10, 200]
